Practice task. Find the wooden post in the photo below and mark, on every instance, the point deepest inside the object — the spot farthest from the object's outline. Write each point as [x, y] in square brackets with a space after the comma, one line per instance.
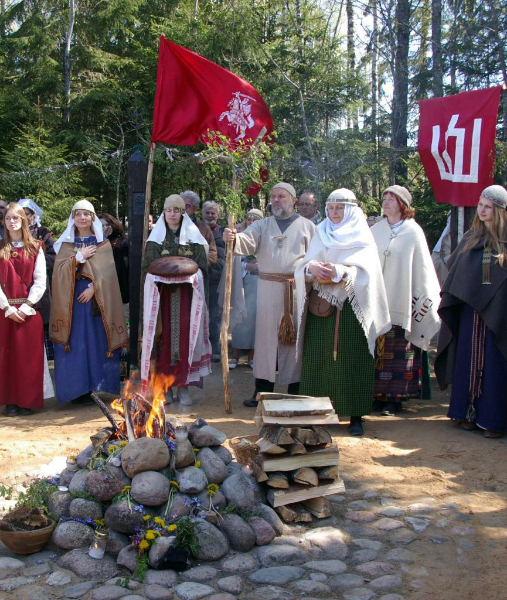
[226, 315]
[136, 170]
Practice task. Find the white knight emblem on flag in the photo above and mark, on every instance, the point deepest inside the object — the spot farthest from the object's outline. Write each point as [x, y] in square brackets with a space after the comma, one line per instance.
[239, 115]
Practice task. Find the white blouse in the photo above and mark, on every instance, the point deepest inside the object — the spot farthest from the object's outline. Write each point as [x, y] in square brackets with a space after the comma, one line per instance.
[36, 291]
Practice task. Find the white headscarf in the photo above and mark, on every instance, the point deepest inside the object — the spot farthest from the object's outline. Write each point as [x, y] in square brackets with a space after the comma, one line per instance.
[189, 234]
[34, 207]
[70, 232]
[351, 232]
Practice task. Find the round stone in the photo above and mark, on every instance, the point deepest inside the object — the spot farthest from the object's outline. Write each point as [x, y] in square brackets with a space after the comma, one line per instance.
[150, 488]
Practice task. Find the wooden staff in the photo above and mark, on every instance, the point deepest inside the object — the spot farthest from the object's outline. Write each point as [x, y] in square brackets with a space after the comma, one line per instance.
[226, 314]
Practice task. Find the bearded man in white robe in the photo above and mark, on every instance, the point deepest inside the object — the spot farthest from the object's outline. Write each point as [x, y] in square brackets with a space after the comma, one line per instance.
[280, 243]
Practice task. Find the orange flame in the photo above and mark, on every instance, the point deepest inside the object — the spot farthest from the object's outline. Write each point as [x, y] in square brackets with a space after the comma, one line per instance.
[146, 424]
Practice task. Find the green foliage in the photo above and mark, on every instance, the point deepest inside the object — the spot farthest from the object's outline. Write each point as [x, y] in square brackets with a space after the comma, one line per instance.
[142, 565]
[36, 495]
[124, 583]
[6, 492]
[186, 537]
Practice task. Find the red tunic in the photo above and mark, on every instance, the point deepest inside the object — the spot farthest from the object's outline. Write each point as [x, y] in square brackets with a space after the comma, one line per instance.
[21, 344]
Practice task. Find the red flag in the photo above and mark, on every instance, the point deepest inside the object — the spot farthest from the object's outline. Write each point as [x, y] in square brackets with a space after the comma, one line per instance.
[195, 95]
[456, 144]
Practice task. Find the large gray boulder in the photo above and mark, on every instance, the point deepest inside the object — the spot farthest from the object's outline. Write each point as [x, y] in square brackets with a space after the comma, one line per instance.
[213, 544]
[71, 534]
[116, 541]
[120, 517]
[158, 549]
[218, 500]
[264, 533]
[206, 436]
[77, 483]
[82, 508]
[144, 454]
[223, 453]
[212, 465]
[180, 507]
[238, 532]
[103, 485]
[237, 489]
[84, 456]
[191, 480]
[59, 504]
[150, 488]
[86, 567]
[184, 454]
[269, 515]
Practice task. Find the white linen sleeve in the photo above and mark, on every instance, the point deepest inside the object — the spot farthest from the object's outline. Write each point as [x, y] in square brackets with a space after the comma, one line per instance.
[3, 299]
[80, 258]
[341, 271]
[39, 284]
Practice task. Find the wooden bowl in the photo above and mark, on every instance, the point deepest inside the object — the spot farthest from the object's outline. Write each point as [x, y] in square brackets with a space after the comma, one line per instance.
[171, 266]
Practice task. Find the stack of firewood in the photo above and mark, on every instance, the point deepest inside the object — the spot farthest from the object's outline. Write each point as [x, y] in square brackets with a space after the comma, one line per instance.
[298, 458]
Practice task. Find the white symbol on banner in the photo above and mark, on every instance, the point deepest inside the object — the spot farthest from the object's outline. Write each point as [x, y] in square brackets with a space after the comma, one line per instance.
[239, 114]
[444, 161]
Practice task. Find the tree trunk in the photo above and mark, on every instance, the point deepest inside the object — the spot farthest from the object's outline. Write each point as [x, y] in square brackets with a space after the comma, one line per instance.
[400, 93]
[66, 65]
[374, 98]
[436, 47]
[351, 55]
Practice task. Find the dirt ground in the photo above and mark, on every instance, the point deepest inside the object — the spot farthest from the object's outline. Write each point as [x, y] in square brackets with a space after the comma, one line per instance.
[416, 455]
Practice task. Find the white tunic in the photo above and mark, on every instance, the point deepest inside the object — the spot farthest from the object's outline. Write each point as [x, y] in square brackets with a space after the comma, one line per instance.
[276, 253]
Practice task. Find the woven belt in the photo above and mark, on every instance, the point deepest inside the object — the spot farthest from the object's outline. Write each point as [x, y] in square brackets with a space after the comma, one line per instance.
[12, 301]
[287, 328]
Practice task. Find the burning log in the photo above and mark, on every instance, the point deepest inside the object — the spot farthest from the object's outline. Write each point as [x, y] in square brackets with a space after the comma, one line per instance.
[128, 422]
[107, 413]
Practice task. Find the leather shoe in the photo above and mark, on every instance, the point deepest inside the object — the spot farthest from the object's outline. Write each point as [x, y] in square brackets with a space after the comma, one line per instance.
[251, 403]
[24, 412]
[11, 410]
[389, 410]
[356, 426]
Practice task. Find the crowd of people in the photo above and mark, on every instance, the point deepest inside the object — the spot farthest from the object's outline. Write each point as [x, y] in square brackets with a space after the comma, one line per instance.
[333, 304]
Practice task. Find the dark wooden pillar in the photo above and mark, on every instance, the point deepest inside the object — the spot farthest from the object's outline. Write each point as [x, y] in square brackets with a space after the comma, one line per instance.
[137, 167]
[468, 218]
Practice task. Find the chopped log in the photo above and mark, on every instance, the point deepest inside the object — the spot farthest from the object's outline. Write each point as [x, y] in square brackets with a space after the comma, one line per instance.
[305, 420]
[305, 476]
[302, 515]
[305, 436]
[257, 471]
[296, 448]
[327, 457]
[286, 513]
[298, 493]
[328, 472]
[319, 507]
[269, 448]
[298, 407]
[278, 435]
[278, 480]
[323, 435]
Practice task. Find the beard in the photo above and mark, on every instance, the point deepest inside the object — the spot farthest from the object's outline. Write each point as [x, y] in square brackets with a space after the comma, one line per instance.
[282, 213]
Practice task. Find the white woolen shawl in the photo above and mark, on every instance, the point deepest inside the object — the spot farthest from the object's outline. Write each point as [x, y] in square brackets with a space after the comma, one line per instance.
[363, 284]
[189, 234]
[412, 287]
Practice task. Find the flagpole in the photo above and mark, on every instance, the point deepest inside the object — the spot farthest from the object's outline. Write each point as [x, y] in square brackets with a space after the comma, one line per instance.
[147, 207]
[226, 315]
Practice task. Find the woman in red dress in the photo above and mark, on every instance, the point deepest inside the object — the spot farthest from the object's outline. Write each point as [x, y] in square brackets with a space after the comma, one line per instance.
[22, 284]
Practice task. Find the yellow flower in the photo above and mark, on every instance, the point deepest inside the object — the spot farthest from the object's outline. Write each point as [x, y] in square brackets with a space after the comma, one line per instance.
[212, 489]
[143, 545]
[172, 528]
[123, 443]
[146, 517]
[100, 522]
[197, 463]
[159, 521]
[175, 484]
[126, 489]
[196, 450]
[150, 534]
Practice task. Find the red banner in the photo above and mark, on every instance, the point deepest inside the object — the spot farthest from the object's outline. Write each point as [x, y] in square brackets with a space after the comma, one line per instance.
[195, 95]
[456, 144]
